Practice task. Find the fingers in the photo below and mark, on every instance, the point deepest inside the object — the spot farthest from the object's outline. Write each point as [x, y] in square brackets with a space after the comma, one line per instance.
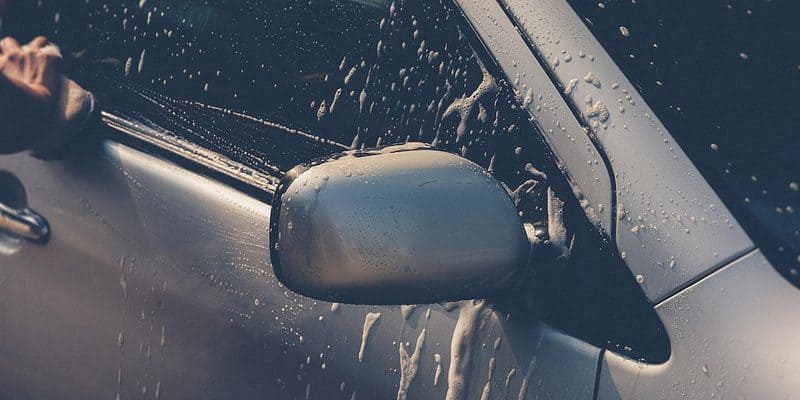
[38, 43]
[9, 45]
[34, 68]
[51, 51]
[48, 73]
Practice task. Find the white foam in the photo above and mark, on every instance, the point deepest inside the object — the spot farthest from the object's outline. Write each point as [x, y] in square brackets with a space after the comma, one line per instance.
[369, 322]
[464, 106]
[461, 348]
[592, 79]
[487, 389]
[523, 390]
[409, 365]
[406, 310]
[437, 358]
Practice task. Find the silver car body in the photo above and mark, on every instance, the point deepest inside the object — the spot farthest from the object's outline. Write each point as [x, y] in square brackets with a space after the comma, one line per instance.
[156, 282]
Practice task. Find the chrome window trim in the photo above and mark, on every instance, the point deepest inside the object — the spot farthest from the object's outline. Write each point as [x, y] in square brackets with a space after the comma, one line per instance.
[192, 152]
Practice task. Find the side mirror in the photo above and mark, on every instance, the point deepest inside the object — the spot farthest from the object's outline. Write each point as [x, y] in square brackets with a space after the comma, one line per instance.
[405, 224]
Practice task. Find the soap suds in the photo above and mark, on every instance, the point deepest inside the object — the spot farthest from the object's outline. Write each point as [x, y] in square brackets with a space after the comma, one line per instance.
[509, 377]
[449, 306]
[559, 238]
[335, 100]
[596, 109]
[464, 336]
[592, 79]
[409, 365]
[465, 106]
[406, 310]
[349, 75]
[487, 389]
[141, 62]
[128, 66]
[437, 358]
[523, 390]
[571, 86]
[369, 322]
[323, 109]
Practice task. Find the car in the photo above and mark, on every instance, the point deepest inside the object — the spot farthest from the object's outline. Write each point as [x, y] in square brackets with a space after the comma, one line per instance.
[374, 199]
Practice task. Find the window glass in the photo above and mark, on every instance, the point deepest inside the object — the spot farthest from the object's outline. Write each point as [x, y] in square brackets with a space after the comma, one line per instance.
[723, 76]
[273, 84]
[258, 81]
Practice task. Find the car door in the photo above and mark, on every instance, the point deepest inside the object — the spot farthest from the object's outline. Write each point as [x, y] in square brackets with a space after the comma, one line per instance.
[156, 281]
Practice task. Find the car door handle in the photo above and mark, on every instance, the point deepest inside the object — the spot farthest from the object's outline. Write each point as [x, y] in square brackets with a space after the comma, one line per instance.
[24, 223]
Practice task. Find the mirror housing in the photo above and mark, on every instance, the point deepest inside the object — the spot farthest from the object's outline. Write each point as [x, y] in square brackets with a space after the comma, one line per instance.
[404, 224]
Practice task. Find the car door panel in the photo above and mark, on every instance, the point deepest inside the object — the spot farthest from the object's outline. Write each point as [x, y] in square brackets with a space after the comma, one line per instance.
[157, 283]
[732, 333]
[97, 296]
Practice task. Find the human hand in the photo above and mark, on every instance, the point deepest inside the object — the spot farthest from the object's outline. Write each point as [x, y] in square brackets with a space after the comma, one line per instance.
[29, 87]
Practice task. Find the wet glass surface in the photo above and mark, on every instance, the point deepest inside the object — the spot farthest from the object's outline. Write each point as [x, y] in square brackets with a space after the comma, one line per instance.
[274, 84]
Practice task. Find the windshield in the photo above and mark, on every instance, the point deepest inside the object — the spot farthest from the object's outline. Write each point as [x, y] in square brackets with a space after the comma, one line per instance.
[723, 76]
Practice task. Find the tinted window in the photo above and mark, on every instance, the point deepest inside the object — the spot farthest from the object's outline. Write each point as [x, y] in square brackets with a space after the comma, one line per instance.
[723, 76]
[273, 84]
[259, 81]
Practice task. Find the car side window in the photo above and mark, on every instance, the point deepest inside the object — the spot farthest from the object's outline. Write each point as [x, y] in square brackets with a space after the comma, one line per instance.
[246, 78]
